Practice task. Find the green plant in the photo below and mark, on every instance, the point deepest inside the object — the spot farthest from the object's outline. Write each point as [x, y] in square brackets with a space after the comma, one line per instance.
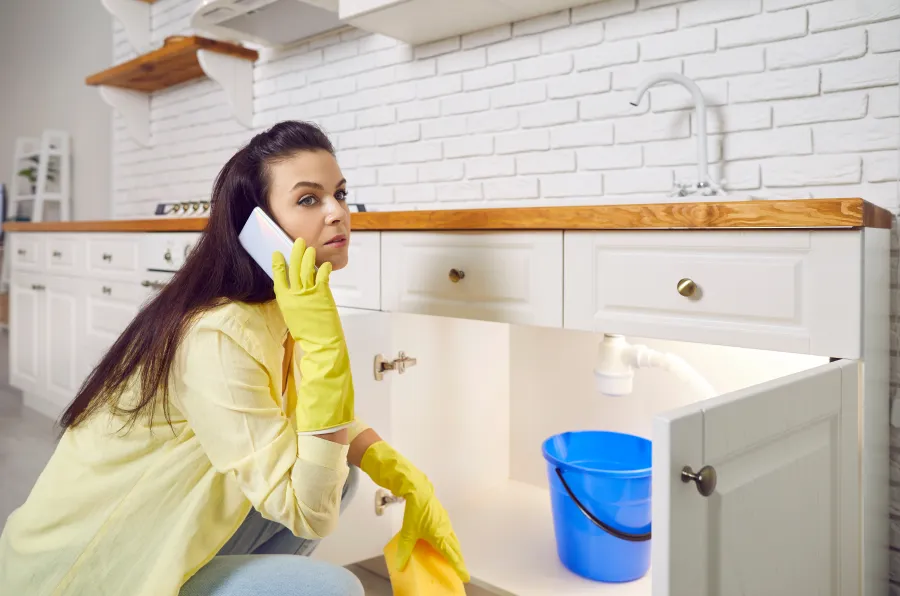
[31, 171]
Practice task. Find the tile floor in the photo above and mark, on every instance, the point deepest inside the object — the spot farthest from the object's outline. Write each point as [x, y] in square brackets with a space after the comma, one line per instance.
[27, 440]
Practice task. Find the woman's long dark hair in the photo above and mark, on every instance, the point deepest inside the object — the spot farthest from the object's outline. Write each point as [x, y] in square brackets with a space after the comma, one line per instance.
[217, 270]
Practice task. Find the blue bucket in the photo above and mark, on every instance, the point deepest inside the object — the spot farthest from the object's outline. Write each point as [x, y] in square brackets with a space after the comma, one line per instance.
[600, 495]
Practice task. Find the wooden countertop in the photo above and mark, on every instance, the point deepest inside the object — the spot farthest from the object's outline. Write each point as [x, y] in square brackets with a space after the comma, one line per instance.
[800, 213]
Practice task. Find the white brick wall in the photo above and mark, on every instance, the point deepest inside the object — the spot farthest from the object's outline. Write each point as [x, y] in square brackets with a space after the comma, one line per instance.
[793, 86]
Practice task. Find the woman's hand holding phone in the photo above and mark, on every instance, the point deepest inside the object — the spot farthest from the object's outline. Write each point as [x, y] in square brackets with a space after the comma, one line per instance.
[325, 397]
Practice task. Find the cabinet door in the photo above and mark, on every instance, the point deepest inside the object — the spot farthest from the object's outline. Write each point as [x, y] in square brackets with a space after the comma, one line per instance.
[783, 518]
[60, 343]
[361, 534]
[25, 330]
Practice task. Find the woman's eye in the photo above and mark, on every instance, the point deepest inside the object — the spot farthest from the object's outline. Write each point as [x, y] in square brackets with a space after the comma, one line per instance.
[307, 200]
[341, 195]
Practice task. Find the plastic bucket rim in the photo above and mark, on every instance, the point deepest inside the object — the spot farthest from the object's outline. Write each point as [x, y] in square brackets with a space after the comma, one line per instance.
[634, 473]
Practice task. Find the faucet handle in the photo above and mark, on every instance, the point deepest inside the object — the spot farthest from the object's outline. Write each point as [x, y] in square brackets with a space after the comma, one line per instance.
[681, 189]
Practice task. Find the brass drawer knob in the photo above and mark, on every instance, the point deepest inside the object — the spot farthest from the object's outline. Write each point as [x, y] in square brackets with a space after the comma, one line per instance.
[686, 287]
[456, 275]
[705, 479]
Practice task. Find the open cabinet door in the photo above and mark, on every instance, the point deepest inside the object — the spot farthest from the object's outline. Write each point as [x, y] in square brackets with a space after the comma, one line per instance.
[783, 518]
[361, 534]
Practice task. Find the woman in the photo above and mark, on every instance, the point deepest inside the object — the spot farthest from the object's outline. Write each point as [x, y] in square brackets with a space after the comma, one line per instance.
[206, 445]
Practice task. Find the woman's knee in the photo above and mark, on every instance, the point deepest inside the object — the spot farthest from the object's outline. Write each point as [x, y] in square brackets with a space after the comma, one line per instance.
[339, 581]
[271, 575]
[350, 486]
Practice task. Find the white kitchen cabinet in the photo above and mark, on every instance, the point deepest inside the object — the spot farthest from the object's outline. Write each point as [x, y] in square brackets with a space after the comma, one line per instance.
[783, 518]
[361, 533]
[422, 21]
[27, 251]
[64, 254]
[26, 346]
[785, 451]
[44, 340]
[510, 277]
[503, 327]
[753, 289]
[61, 299]
[113, 255]
[358, 285]
[71, 295]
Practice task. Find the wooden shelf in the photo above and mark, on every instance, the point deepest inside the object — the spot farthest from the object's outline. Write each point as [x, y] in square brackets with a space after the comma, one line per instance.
[125, 86]
[177, 61]
[738, 215]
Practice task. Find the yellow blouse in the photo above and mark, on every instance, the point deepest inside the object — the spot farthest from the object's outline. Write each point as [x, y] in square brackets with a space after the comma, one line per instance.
[138, 511]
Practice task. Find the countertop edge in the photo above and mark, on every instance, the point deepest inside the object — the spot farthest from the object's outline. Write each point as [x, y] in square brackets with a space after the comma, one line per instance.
[724, 215]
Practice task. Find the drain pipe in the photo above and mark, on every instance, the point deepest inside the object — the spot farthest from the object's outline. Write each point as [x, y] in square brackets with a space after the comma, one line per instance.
[617, 359]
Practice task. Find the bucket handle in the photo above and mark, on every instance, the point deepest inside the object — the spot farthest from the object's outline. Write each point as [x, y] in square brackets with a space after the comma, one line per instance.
[605, 527]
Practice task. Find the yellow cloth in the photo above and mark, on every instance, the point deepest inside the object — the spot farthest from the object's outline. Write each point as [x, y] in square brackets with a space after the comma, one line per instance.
[424, 518]
[139, 513]
[427, 574]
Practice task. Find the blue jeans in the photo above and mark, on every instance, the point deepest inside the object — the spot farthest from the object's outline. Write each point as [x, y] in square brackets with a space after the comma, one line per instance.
[261, 559]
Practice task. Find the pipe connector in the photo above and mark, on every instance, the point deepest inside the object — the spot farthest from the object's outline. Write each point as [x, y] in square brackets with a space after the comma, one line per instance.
[617, 359]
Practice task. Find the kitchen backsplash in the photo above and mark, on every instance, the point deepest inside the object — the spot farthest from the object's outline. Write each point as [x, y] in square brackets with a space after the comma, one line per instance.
[802, 95]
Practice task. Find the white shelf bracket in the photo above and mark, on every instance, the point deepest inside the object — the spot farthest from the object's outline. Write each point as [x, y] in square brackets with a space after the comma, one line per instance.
[135, 18]
[134, 107]
[235, 75]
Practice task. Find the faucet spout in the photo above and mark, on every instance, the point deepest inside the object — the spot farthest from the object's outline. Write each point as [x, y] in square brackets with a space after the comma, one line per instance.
[703, 178]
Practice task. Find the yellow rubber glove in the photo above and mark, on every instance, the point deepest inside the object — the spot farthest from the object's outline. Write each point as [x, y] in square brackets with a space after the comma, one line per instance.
[424, 517]
[325, 392]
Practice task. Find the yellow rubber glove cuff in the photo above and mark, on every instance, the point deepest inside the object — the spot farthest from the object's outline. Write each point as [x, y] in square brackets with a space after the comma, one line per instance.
[424, 518]
[324, 394]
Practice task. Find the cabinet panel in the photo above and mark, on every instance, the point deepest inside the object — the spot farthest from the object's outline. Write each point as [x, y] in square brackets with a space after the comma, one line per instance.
[361, 534]
[110, 307]
[422, 21]
[26, 331]
[27, 251]
[749, 289]
[60, 344]
[358, 285]
[785, 489]
[113, 255]
[509, 277]
[64, 254]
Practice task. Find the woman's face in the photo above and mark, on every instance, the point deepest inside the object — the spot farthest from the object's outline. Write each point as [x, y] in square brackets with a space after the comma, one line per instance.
[308, 196]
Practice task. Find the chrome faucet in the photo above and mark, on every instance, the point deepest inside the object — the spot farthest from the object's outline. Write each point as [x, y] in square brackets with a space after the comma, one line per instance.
[704, 185]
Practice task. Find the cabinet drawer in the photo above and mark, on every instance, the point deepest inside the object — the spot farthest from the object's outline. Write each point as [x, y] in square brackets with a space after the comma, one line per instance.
[358, 285]
[64, 254]
[510, 277]
[111, 306]
[27, 251]
[750, 289]
[115, 255]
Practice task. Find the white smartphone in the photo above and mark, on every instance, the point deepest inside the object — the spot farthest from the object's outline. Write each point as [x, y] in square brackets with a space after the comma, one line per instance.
[261, 237]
